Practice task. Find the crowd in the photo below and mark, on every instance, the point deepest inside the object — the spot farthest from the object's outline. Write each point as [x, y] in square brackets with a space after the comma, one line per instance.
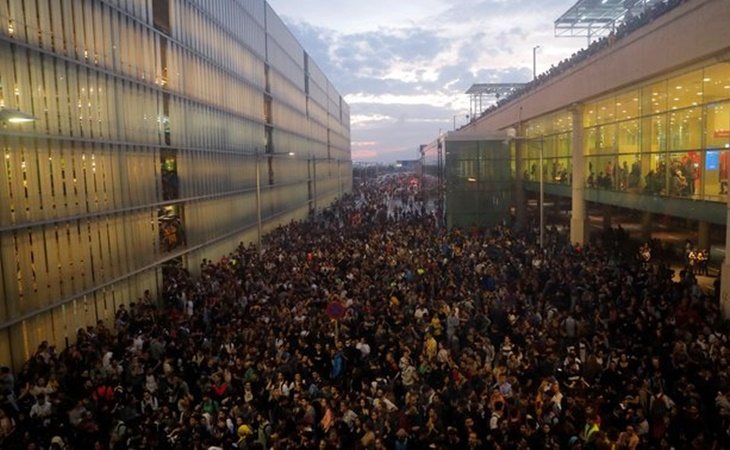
[450, 340]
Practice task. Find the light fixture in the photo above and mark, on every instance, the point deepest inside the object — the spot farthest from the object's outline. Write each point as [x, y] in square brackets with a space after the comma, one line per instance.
[471, 180]
[15, 116]
[292, 153]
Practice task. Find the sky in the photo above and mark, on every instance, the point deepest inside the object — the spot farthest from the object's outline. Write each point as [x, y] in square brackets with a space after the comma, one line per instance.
[403, 65]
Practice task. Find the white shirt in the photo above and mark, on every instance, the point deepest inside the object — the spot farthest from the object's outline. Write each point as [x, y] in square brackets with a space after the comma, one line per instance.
[364, 349]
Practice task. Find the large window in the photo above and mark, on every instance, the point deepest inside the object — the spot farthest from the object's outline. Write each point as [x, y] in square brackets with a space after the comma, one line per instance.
[670, 137]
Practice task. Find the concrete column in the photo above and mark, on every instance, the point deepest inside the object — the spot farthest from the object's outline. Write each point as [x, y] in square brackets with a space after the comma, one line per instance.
[578, 226]
[607, 217]
[725, 278]
[646, 227]
[703, 235]
[520, 200]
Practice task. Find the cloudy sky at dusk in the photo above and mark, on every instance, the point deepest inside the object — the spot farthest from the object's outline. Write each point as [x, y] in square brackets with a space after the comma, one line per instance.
[404, 65]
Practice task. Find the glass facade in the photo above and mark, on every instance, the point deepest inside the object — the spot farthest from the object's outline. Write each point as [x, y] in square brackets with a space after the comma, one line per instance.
[667, 137]
[551, 137]
[478, 183]
[153, 118]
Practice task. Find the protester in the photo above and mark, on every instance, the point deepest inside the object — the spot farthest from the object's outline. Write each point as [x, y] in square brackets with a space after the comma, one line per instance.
[475, 340]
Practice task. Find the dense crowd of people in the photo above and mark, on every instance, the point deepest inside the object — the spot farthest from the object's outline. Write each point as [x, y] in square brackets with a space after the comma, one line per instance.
[450, 339]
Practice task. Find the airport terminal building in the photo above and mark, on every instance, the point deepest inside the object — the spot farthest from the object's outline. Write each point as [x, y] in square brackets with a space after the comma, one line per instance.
[139, 136]
[642, 123]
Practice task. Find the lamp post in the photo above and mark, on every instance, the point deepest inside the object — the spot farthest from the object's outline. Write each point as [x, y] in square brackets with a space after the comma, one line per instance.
[258, 199]
[259, 221]
[534, 61]
[454, 119]
[542, 194]
[542, 187]
[313, 158]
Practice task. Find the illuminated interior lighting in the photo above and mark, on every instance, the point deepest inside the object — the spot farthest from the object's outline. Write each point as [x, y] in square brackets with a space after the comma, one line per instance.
[20, 119]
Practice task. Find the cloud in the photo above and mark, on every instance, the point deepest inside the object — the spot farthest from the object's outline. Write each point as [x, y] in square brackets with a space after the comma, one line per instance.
[404, 70]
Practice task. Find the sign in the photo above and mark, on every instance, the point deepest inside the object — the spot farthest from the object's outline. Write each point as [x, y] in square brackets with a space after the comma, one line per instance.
[712, 160]
[722, 133]
[335, 310]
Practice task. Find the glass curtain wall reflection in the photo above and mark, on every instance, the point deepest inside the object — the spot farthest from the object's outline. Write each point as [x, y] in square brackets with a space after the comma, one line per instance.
[668, 138]
[151, 119]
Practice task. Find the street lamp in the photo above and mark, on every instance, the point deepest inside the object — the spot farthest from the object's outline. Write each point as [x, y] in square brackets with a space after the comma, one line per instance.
[542, 185]
[542, 194]
[314, 182]
[455, 116]
[259, 225]
[534, 61]
[258, 200]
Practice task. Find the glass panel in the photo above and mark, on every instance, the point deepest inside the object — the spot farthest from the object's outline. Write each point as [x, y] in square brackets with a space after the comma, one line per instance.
[654, 98]
[628, 136]
[685, 90]
[558, 170]
[564, 144]
[589, 115]
[658, 133]
[715, 176]
[590, 147]
[685, 129]
[655, 181]
[717, 82]
[606, 138]
[535, 128]
[717, 130]
[602, 172]
[684, 173]
[606, 111]
[563, 122]
[549, 147]
[627, 105]
[634, 176]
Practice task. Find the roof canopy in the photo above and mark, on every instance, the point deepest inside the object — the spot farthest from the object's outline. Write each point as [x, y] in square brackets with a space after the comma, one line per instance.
[497, 89]
[590, 18]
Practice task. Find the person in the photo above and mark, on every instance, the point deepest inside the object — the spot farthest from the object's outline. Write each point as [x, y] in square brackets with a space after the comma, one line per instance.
[692, 260]
[680, 185]
[488, 366]
[703, 257]
[628, 439]
[645, 253]
[41, 411]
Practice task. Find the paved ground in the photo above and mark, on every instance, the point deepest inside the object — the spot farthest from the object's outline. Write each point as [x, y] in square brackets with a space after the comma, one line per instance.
[676, 238]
